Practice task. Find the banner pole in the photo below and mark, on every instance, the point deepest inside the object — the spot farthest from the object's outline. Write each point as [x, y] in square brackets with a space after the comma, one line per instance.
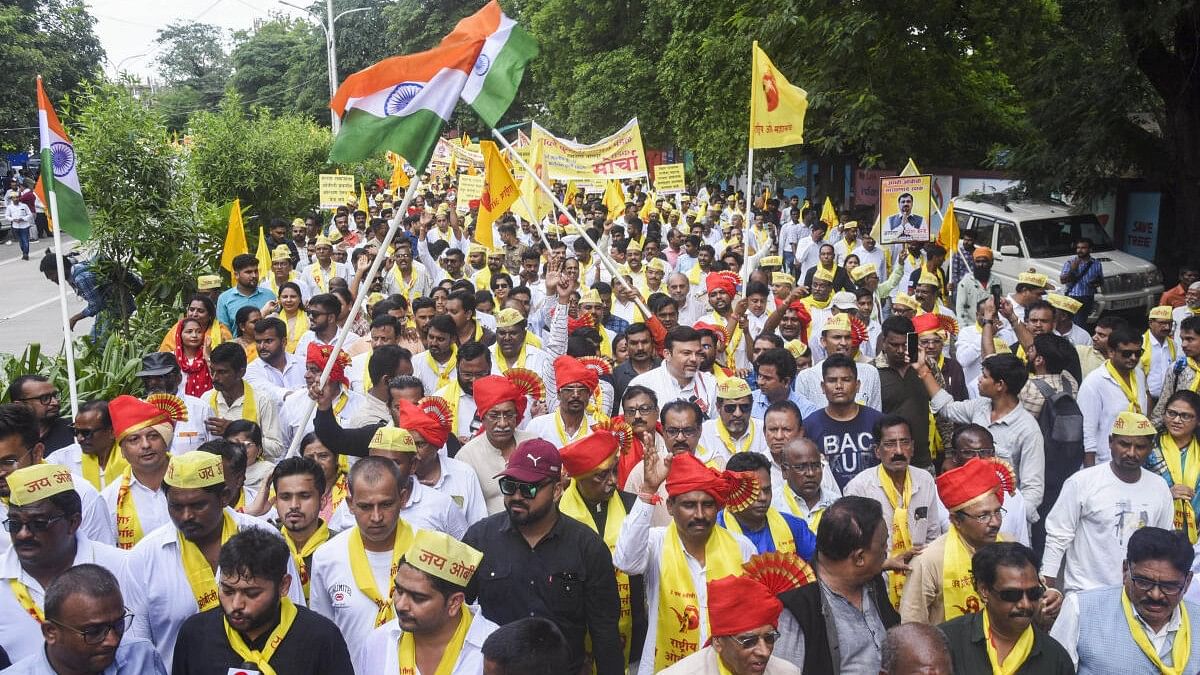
[68, 341]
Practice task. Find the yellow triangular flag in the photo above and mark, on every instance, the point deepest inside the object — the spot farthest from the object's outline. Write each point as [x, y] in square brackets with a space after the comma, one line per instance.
[614, 199]
[534, 197]
[875, 231]
[910, 169]
[235, 237]
[399, 178]
[263, 254]
[777, 107]
[647, 207]
[499, 192]
[828, 214]
[363, 204]
[948, 236]
[569, 194]
[466, 140]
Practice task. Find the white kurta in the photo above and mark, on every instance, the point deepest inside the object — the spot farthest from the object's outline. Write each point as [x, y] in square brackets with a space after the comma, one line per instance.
[427, 509]
[425, 373]
[380, 651]
[151, 506]
[279, 382]
[266, 407]
[1100, 400]
[702, 388]
[294, 408]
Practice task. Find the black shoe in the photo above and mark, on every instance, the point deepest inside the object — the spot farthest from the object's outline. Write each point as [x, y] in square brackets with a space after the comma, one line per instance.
[25, 257]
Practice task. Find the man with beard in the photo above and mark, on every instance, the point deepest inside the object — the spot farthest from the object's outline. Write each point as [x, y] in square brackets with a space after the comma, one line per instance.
[1117, 387]
[500, 407]
[679, 560]
[570, 422]
[975, 287]
[732, 430]
[473, 362]
[436, 366]
[171, 573]
[537, 562]
[233, 398]
[43, 399]
[256, 624]
[768, 528]
[323, 311]
[160, 374]
[346, 403]
[679, 376]
[642, 358]
[721, 288]
[299, 484]
[1003, 637]
[245, 293]
[1141, 624]
[44, 517]
[939, 587]
[434, 630]
[94, 454]
[276, 369]
[514, 348]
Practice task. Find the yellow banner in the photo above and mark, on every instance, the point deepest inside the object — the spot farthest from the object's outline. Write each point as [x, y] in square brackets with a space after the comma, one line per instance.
[777, 107]
[669, 179]
[336, 189]
[618, 156]
[463, 157]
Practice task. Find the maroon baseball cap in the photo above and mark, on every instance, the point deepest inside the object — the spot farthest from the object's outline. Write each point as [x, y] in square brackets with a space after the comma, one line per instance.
[533, 461]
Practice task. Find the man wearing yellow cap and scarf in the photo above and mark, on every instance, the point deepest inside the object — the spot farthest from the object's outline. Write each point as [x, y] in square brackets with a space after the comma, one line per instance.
[44, 517]
[324, 268]
[283, 272]
[171, 573]
[434, 631]
[1160, 350]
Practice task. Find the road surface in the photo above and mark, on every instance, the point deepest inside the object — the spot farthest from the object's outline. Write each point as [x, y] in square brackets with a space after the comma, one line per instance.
[29, 306]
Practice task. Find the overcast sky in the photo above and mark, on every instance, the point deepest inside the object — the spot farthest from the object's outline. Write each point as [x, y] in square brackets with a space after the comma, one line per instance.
[127, 28]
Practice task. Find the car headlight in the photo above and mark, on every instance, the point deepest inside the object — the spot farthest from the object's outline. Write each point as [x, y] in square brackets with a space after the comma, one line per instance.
[1154, 277]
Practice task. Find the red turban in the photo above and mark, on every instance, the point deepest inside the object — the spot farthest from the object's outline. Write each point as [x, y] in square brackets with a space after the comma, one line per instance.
[731, 490]
[717, 281]
[588, 453]
[569, 370]
[962, 487]
[494, 389]
[318, 355]
[801, 311]
[739, 604]
[131, 415]
[421, 422]
[926, 323]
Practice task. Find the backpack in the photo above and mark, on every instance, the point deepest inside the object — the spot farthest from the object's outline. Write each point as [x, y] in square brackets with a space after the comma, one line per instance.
[1061, 423]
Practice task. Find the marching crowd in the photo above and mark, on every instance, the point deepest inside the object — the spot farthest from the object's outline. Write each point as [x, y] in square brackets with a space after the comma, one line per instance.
[693, 437]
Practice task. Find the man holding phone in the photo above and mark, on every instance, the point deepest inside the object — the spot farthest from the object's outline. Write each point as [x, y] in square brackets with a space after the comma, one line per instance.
[902, 392]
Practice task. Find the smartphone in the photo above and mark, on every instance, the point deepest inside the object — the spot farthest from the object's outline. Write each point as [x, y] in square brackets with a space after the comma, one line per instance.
[913, 348]
[996, 297]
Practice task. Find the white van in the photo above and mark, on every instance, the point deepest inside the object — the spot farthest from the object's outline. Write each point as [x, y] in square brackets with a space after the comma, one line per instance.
[1042, 234]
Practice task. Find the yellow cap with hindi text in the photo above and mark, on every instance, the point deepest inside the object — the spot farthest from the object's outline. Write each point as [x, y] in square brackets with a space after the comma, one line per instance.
[392, 439]
[928, 279]
[906, 300]
[35, 483]
[1034, 279]
[783, 278]
[1161, 313]
[837, 322]
[797, 348]
[208, 282]
[634, 245]
[443, 556]
[508, 317]
[863, 271]
[657, 264]
[1129, 423]
[590, 297]
[297, 222]
[733, 387]
[281, 252]
[195, 470]
[823, 274]
[772, 261]
[1071, 305]
[334, 237]
[322, 240]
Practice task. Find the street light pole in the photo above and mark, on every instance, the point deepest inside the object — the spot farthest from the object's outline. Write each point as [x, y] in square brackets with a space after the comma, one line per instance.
[327, 27]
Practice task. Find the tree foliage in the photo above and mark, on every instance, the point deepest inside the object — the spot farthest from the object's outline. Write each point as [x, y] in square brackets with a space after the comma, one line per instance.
[195, 67]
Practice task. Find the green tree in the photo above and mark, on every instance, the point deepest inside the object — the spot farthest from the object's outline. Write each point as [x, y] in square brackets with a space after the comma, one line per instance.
[195, 67]
[281, 67]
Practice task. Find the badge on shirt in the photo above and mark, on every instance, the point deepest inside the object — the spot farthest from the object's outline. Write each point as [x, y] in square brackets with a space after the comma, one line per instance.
[459, 500]
[241, 671]
[339, 595]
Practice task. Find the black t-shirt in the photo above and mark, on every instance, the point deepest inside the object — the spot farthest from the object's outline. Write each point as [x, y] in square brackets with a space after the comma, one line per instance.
[312, 645]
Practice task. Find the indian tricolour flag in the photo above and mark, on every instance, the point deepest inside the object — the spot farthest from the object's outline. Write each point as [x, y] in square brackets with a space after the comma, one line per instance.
[402, 103]
[59, 174]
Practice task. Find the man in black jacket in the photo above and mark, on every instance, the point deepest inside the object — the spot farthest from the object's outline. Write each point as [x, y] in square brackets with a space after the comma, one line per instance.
[839, 623]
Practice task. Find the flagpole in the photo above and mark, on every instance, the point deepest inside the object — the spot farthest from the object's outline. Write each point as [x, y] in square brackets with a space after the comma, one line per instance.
[359, 300]
[750, 178]
[69, 344]
[612, 267]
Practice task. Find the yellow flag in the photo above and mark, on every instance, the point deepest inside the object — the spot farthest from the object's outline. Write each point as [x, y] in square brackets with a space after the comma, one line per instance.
[910, 169]
[828, 214]
[614, 199]
[235, 237]
[500, 192]
[466, 140]
[647, 207]
[948, 236]
[534, 198]
[777, 107]
[569, 194]
[399, 179]
[263, 254]
[363, 204]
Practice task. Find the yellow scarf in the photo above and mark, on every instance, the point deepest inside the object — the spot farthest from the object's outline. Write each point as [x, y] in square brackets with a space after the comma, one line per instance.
[1016, 657]
[694, 275]
[958, 589]
[319, 277]
[781, 534]
[1185, 517]
[1126, 386]
[408, 648]
[812, 303]
[26, 600]
[734, 448]
[452, 393]
[199, 573]
[112, 469]
[295, 330]
[572, 505]
[129, 526]
[1147, 345]
[287, 615]
[561, 429]
[404, 286]
[1195, 385]
[502, 362]
[443, 372]
[249, 407]
[1180, 649]
[814, 516]
[605, 342]
[299, 556]
[900, 537]
[274, 285]
[678, 605]
[340, 490]
[365, 579]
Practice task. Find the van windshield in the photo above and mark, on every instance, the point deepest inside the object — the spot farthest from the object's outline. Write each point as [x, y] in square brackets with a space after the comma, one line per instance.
[1056, 237]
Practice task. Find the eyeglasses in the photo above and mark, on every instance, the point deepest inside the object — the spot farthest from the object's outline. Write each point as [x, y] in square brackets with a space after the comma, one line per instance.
[898, 443]
[1179, 415]
[10, 463]
[640, 410]
[574, 391]
[497, 416]
[680, 431]
[972, 453]
[44, 399]
[88, 433]
[510, 487]
[94, 635]
[1014, 595]
[14, 526]
[749, 641]
[1171, 588]
[810, 467]
[1131, 353]
[731, 408]
[987, 516]
[314, 313]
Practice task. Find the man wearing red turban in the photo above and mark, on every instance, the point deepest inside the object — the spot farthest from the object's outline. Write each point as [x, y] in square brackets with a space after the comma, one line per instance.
[722, 288]
[500, 406]
[744, 615]
[345, 404]
[570, 421]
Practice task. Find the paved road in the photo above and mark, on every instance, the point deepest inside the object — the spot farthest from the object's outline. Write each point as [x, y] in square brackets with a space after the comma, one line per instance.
[29, 308]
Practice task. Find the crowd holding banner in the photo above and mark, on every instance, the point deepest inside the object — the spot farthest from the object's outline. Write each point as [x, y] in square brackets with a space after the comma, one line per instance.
[529, 408]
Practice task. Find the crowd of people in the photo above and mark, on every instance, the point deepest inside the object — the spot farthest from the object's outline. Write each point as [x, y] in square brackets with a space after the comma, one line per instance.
[693, 437]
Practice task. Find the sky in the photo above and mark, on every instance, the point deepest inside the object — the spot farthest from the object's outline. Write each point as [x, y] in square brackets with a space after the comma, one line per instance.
[127, 28]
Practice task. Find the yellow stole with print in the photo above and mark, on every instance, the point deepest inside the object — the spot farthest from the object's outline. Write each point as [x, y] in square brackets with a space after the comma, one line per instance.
[958, 587]
[781, 534]
[364, 578]
[678, 604]
[1181, 474]
[299, 556]
[901, 538]
[92, 471]
[129, 526]
[262, 659]
[26, 601]
[318, 275]
[408, 648]
[200, 575]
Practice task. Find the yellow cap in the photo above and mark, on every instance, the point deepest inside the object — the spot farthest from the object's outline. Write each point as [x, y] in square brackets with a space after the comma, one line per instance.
[1132, 424]
[733, 387]
[443, 556]
[1161, 313]
[590, 297]
[508, 317]
[37, 482]
[495, 253]
[906, 300]
[322, 240]
[782, 278]
[837, 322]
[929, 279]
[863, 271]
[657, 264]
[392, 439]
[477, 248]
[849, 224]
[194, 470]
[634, 245]
[798, 348]
[385, 206]
[297, 222]
[553, 230]
[375, 298]
[772, 261]
[1001, 346]
[334, 237]
[1071, 305]
[1034, 279]
[208, 282]
[281, 252]
[823, 274]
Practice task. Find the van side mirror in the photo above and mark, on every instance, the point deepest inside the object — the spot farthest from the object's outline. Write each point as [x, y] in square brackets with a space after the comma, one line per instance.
[1010, 250]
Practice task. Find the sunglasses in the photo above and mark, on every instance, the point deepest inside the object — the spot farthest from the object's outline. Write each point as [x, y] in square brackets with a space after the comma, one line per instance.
[35, 526]
[749, 641]
[731, 408]
[510, 487]
[1131, 353]
[1015, 594]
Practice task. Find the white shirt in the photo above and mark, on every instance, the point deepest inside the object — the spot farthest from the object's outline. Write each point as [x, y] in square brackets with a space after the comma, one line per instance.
[266, 407]
[71, 457]
[335, 269]
[156, 587]
[713, 449]
[546, 426]
[923, 522]
[1066, 631]
[1162, 355]
[97, 524]
[1100, 400]
[807, 255]
[1077, 336]
[379, 653]
[874, 257]
[292, 412]
[808, 385]
[459, 482]
[191, 433]
[424, 372]
[151, 505]
[639, 551]
[18, 215]
[20, 634]
[1090, 524]
[426, 509]
[279, 382]
[968, 351]
[789, 236]
[702, 388]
